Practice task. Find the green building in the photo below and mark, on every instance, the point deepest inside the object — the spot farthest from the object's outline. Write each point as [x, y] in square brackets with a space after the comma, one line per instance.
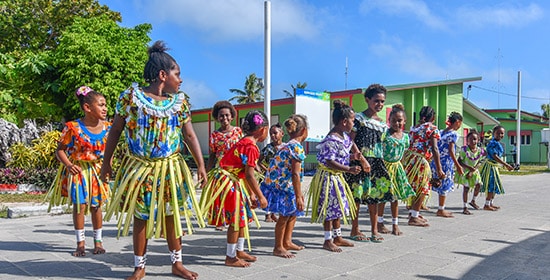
[532, 148]
[444, 96]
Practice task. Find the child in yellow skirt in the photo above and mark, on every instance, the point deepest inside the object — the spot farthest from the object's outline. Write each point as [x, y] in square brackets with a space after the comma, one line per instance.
[154, 184]
[80, 151]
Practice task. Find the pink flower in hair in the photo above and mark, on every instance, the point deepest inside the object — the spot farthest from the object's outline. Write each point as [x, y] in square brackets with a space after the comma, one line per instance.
[258, 120]
[83, 90]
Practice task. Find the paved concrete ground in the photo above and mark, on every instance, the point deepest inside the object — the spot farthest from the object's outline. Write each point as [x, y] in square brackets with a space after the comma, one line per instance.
[513, 243]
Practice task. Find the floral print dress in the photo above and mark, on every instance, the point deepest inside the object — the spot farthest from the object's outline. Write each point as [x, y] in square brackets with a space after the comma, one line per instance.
[329, 195]
[277, 186]
[220, 142]
[84, 149]
[471, 158]
[447, 164]
[393, 153]
[418, 155]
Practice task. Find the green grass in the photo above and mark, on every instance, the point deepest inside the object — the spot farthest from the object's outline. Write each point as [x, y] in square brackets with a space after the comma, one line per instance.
[528, 170]
[21, 197]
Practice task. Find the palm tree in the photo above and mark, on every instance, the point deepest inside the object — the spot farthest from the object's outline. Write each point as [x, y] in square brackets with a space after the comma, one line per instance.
[252, 92]
[293, 93]
[545, 110]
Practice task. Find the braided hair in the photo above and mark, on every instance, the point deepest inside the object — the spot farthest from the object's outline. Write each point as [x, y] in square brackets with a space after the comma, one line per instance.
[159, 60]
[253, 121]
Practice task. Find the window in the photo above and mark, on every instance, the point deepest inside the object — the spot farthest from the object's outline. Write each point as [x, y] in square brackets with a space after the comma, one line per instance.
[525, 140]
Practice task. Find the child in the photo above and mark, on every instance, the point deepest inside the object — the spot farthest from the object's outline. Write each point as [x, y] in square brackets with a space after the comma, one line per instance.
[232, 190]
[490, 176]
[470, 157]
[394, 144]
[80, 151]
[154, 184]
[423, 149]
[224, 137]
[447, 151]
[329, 193]
[276, 134]
[282, 185]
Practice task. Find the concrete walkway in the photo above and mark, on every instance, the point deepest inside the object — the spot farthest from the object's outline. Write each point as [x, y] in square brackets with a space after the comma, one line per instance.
[513, 243]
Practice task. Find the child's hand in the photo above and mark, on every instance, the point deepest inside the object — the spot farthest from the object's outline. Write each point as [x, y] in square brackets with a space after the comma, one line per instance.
[263, 202]
[469, 175]
[300, 202]
[365, 164]
[202, 177]
[440, 174]
[509, 167]
[253, 201]
[354, 170]
[74, 169]
[459, 170]
[105, 173]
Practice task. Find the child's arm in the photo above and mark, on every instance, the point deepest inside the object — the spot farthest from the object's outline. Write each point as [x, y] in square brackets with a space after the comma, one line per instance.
[211, 161]
[453, 157]
[64, 159]
[357, 155]
[345, 168]
[499, 160]
[297, 184]
[437, 160]
[253, 185]
[195, 149]
[112, 141]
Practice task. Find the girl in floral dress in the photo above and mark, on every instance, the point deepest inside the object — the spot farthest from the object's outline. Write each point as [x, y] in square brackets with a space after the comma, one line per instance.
[490, 176]
[233, 191]
[154, 184]
[470, 158]
[423, 149]
[80, 151]
[448, 159]
[394, 144]
[222, 139]
[276, 134]
[329, 195]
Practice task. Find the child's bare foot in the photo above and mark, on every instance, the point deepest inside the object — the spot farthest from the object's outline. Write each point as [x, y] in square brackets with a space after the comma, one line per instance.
[339, 241]
[268, 218]
[283, 253]
[139, 273]
[236, 262]
[294, 247]
[396, 231]
[444, 214]
[179, 270]
[420, 217]
[220, 228]
[424, 208]
[465, 211]
[80, 251]
[274, 217]
[474, 205]
[494, 206]
[330, 246]
[383, 229]
[417, 222]
[489, 208]
[245, 256]
[98, 248]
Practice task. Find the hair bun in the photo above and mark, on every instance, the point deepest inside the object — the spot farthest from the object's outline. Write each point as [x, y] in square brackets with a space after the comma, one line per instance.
[158, 47]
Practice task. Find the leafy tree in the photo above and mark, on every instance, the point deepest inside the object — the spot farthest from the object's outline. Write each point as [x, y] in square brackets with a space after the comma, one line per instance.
[293, 93]
[252, 91]
[545, 110]
[100, 54]
[37, 25]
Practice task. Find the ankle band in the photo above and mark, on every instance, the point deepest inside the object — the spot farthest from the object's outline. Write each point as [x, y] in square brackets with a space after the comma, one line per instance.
[328, 235]
[337, 232]
[98, 235]
[175, 256]
[139, 261]
[231, 250]
[380, 219]
[80, 235]
[414, 213]
[394, 221]
[240, 244]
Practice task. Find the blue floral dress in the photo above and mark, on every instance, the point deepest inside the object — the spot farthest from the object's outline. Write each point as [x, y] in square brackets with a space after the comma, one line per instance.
[277, 186]
[329, 195]
[447, 163]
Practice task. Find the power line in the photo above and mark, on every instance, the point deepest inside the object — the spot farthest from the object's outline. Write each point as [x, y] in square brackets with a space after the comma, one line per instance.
[509, 94]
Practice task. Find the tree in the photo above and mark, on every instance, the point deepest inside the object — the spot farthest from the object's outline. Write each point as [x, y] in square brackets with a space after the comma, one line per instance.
[252, 91]
[545, 110]
[100, 54]
[37, 25]
[293, 93]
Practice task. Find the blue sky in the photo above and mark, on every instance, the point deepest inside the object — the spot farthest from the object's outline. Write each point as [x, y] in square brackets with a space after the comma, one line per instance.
[218, 43]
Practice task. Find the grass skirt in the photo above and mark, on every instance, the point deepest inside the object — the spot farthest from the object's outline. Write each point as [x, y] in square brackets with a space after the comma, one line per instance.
[151, 190]
[490, 178]
[83, 188]
[330, 197]
[400, 187]
[225, 201]
[418, 172]
[469, 182]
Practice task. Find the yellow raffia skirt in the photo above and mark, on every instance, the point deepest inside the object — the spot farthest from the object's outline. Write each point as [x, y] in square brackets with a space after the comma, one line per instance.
[490, 178]
[327, 186]
[151, 190]
[225, 201]
[83, 188]
[419, 174]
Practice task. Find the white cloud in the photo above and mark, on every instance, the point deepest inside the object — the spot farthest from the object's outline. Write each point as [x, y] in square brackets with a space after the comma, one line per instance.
[236, 19]
[200, 95]
[415, 8]
[500, 16]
